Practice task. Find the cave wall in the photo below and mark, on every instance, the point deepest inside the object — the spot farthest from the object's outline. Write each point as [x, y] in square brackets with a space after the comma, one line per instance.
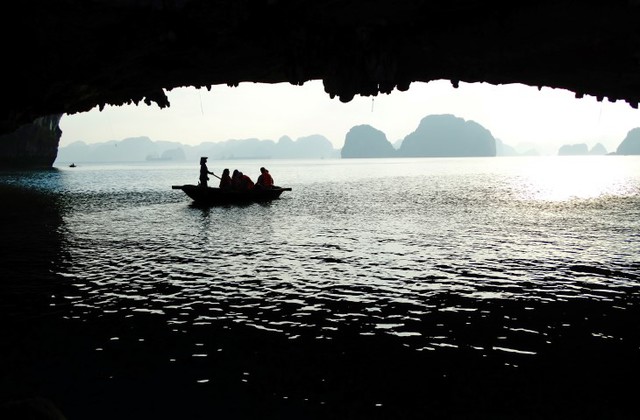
[70, 56]
[32, 145]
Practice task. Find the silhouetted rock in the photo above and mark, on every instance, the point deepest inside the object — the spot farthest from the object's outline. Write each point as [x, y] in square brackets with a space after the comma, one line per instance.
[252, 148]
[529, 149]
[573, 150]
[36, 408]
[503, 149]
[631, 144]
[285, 147]
[176, 154]
[364, 141]
[309, 147]
[598, 149]
[33, 145]
[314, 146]
[448, 136]
[139, 149]
[354, 47]
[133, 149]
[581, 149]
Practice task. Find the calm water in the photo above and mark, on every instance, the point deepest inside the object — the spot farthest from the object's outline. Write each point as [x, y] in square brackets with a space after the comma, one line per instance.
[394, 288]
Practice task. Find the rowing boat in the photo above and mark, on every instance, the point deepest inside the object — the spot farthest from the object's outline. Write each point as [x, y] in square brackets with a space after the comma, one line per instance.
[212, 196]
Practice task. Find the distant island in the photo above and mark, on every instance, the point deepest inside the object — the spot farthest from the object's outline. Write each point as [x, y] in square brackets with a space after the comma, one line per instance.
[448, 136]
[443, 135]
[364, 141]
[581, 149]
[139, 149]
[631, 143]
[436, 136]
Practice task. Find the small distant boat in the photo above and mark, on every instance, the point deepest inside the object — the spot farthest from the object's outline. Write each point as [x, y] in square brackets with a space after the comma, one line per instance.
[213, 196]
[73, 165]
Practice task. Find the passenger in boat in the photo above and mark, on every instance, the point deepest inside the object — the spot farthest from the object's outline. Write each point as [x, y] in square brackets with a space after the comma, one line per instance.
[246, 183]
[235, 180]
[204, 172]
[264, 180]
[225, 180]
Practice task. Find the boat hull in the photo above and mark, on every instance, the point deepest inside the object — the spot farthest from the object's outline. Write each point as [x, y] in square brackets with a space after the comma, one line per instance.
[212, 196]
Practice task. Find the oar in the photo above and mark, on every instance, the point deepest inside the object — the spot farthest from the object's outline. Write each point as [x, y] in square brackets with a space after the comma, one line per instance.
[216, 176]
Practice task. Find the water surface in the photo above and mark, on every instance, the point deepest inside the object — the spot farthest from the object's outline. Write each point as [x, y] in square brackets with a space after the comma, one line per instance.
[498, 287]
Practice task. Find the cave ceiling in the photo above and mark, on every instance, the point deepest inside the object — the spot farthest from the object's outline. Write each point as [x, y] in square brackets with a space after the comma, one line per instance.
[68, 56]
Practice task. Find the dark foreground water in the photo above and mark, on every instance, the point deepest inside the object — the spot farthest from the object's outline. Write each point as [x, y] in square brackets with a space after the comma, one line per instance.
[409, 288]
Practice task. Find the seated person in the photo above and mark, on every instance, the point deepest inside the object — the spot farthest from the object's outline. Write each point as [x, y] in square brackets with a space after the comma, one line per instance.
[245, 182]
[225, 180]
[235, 180]
[264, 180]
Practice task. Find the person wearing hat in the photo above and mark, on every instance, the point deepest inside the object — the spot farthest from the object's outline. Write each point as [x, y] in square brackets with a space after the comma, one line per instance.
[204, 172]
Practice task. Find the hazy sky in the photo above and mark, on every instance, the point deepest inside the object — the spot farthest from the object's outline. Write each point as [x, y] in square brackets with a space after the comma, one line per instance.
[516, 114]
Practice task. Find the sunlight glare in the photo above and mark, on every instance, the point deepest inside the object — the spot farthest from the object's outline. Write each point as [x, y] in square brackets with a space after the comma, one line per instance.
[563, 178]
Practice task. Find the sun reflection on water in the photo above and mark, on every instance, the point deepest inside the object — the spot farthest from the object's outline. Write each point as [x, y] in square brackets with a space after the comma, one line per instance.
[564, 178]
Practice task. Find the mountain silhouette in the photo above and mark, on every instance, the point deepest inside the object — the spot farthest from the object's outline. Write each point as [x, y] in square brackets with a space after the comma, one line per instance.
[436, 136]
[581, 149]
[503, 149]
[138, 149]
[364, 141]
[598, 149]
[631, 143]
[132, 149]
[573, 149]
[448, 136]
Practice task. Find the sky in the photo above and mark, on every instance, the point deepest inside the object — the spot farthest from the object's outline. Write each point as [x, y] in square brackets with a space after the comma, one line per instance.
[520, 116]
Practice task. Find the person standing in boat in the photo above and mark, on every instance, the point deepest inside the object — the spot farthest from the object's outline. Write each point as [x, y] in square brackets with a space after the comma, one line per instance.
[264, 180]
[225, 180]
[204, 172]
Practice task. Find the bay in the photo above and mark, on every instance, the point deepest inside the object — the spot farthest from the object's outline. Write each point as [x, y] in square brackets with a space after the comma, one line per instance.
[395, 288]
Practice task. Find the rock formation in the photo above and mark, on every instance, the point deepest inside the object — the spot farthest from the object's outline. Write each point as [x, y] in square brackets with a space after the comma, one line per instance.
[315, 146]
[177, 154]
[33, 145]
[631, 143]
[581, 149]
[573, 149]
[364, 141]
[598, 149]
[503, 149]
[448, 136]
[138, 149]
[70, 56]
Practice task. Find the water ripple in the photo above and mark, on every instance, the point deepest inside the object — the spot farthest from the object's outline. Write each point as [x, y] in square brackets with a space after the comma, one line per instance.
[438, 260]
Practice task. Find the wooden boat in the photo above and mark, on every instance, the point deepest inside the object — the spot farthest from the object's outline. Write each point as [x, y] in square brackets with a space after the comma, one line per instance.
[212, 196]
